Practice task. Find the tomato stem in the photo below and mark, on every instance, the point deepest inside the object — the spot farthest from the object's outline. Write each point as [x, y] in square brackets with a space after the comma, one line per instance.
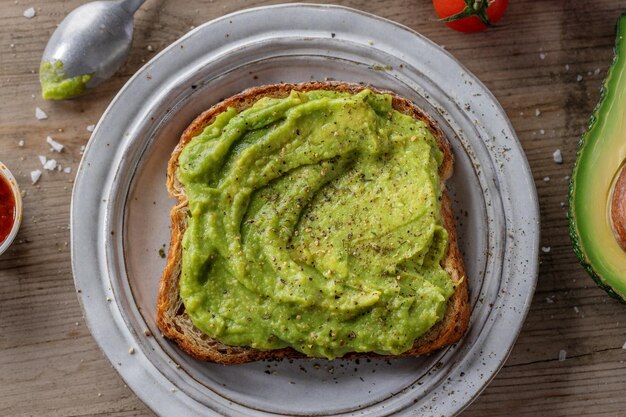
[476, 8]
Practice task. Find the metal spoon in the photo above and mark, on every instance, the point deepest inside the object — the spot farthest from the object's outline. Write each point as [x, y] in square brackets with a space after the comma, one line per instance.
[88, 47]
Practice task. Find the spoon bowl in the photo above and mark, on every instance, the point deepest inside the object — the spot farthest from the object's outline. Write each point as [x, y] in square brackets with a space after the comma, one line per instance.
[92, 42]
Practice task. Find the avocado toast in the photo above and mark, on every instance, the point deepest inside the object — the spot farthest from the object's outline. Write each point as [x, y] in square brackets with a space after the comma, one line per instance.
[331, 285]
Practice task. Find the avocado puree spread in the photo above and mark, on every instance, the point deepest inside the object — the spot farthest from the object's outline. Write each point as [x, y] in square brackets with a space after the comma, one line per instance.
[54, 84]
[314, 223]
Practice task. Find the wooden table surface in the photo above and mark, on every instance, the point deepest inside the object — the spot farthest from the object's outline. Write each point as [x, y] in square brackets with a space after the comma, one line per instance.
[545, 65]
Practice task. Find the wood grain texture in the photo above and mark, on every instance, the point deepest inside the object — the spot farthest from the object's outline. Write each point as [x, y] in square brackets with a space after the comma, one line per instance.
[547, 58]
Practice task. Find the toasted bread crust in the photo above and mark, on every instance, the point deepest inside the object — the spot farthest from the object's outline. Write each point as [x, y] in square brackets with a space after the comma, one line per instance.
[176, 324]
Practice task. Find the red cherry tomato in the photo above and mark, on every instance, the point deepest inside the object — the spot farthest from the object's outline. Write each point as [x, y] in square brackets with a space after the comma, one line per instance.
[470, 15]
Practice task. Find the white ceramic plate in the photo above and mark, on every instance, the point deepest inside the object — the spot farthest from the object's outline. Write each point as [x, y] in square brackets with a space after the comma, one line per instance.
[120, 215]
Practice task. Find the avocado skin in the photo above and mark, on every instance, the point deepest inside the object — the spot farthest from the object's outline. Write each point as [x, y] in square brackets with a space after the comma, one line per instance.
[585, 138]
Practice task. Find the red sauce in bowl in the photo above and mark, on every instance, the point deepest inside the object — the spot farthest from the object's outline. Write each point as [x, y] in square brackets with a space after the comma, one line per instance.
[7, 208]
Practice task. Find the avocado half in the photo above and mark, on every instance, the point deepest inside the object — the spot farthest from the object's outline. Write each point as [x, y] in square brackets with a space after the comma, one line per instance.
[599, 161]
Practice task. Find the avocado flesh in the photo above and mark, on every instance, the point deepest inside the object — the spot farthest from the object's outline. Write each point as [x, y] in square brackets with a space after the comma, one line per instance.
[600, 157]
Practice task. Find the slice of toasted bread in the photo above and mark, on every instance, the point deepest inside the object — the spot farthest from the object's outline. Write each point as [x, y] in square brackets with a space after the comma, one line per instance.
[177, 325]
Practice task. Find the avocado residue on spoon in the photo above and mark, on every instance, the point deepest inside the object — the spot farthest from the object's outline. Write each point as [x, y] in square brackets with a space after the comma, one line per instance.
[56, 86]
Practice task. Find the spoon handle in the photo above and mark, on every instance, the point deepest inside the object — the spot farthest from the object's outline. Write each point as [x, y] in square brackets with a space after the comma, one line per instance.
[131, 6]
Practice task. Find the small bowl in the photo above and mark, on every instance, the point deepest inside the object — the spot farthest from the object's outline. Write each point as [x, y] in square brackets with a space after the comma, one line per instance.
[6, 174]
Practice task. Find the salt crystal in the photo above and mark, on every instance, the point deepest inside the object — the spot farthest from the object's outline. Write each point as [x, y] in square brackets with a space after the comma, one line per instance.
[542, 56]
[543, 132]
[624, 346]
[579, 78]
[50, 165]
[537, 112]
[557, 156]
[562, 355]
[576, 310]
[56, 146]
[67, 170]
[150, 48]
[20, 144]
[596, 71]
[546, 179]
[42, 159]
[566, 67]
[546, 249]
[566, 178]
[40, 114]
[549, 300]
[90, 128]
[562, 204]
[35, 175]
[29, 13]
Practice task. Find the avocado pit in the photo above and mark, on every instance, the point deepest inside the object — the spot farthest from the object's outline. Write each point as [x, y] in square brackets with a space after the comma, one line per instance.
[618, 208]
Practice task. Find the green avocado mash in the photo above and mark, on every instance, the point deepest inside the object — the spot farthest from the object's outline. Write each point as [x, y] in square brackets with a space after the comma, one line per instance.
[54, 85]
[315, 223]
